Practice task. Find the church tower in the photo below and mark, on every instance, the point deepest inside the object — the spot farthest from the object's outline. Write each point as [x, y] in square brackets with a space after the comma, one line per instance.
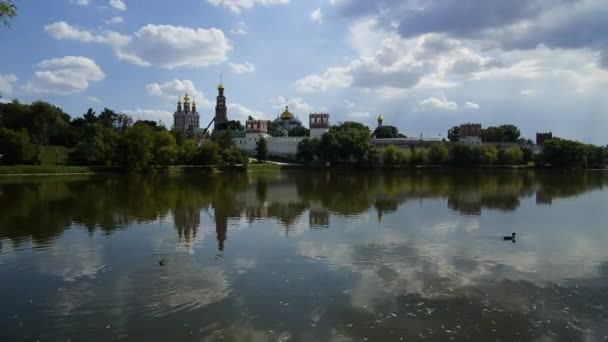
[221, 112]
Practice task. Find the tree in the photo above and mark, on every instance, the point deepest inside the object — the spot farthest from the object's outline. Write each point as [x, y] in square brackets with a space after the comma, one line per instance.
[234, 156]
[16, 148]
[98, 146]
[454, 134]
[513, 155]
[503, 133]
[597, 156]
[224, 138]
[390, 155]
[261, 149]
[233, 125]
[528, 154]
[188, 152]
[165, 148]
[274, 130]
[386, 132]
[564, 153]
[135, 148]
[90, 116]
[7, 11]
[209, 153]
[465, 155]
[308, 150]
[420, 156]
[299, 131]
[488, 154]
[438, 154]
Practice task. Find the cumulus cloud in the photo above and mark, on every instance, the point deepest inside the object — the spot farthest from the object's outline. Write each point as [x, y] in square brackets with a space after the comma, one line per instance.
[433, 103]
[237, 111]
[316, 16]
[118, 4]
[156, 115]
[238, 6]
[7, 82]
[471, 105]
[93, 99]
[241, 68]
[114, 20]
[296, 105]
[167, 46]
[240, 29]
[66, 75]
[175, 88]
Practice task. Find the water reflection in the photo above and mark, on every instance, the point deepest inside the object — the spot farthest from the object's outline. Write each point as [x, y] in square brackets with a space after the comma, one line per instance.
[306, 256]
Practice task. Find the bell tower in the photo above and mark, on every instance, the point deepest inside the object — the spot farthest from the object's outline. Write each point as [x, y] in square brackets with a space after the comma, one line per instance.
[221, 111]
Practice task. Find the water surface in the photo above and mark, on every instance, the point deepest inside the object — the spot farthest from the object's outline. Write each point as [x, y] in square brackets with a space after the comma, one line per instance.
[305, 257]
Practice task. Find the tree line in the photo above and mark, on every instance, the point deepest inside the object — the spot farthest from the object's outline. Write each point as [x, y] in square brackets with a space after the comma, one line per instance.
[108, 139]
[349, 143]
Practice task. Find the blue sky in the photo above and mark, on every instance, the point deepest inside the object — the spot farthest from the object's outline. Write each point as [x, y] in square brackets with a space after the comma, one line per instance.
[424, 64]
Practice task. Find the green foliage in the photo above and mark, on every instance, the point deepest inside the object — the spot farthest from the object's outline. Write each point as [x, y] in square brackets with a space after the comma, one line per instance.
[465, 155]
[513, 156]
[224, 138]
[97, 147]
[234, 156]
[299, 131]
[135, 148]
[438, 154]
[503, 133]
[16, 148]
[347, 142]
[597, 156]
[7, 11]
[386, 132]
[261, 149]
[569, 153]
[528, 155]
[188, 152]
[209, 153]
[420, 156]
[45, 123]
[232, 125]
[390, 155]
[274, 130]
[454, 134]
[165, 148]
[308, 150]
[488, 154]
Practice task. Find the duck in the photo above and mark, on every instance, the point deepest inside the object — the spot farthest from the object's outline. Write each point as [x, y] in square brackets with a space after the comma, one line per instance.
[162, 262]
[509, 238]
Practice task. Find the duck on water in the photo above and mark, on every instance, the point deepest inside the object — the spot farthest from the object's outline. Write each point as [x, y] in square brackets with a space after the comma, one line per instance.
[509, 238]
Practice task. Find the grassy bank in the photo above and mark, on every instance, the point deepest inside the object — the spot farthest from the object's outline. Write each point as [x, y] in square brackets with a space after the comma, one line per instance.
[52, 169]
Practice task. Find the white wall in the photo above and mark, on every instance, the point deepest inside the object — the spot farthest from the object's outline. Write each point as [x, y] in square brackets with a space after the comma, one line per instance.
[279, 146]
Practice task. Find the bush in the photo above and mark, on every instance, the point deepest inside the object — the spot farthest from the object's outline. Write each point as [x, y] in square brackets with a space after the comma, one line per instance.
[390, 155]
[438, 154]
[488, 154]
[513, 156]
[16, 148]
[209, 153]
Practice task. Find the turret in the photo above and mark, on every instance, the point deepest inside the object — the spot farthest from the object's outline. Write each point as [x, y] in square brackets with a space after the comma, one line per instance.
[318, 124]
[380, 120]
[179, 104]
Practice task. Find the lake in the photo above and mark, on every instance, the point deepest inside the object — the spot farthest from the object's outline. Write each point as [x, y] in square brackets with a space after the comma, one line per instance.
[305, 256]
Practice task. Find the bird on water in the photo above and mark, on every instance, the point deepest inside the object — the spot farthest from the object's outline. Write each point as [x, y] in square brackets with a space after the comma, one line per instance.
[509, 238]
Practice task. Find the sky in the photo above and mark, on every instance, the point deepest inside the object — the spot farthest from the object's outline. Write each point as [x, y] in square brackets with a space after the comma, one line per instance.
[425, 65]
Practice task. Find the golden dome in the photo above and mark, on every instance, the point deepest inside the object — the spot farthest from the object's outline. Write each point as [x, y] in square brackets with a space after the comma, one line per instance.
[186, 98]
[380, 118]
[220, 86]
[286, 115]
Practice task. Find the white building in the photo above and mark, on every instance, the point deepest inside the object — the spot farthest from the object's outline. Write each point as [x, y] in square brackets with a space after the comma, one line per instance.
[186, 119]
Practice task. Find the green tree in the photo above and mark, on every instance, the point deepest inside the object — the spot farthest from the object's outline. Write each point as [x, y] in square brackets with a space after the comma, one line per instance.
[224, 138]
[274, 130]
[165, 148]
[234, 156]
[16, 148]
[438, 154]
[188, 152]
[390, 155]
[98, 146]
[7, 11]
[386, 132]
[90, 116]
[502, 133]
[454, 134]
[209, 153]
[564, 153]
[513, 155]
[465, 155]
[420, 156]
[528, 154]
[597, 156]
[308, 150]
[233, 125]
[261, 149]
[135, 148]
[488, 154]
[299, 131]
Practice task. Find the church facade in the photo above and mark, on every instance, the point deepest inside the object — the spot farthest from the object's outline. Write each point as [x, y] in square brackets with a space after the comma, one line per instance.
[186, 119]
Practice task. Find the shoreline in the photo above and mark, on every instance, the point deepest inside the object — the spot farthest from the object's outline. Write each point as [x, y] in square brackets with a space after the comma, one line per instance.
[45, 170]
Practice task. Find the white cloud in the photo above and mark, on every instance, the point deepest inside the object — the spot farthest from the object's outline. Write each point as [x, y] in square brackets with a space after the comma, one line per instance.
[240, 29]
[241, 68]
[349, 104]
[161, 45]
[7, 82]
[175, 88]
[334, 77]
[81, 2]
[66, 75]
[118, 4]
[441, 103]
[93, 99]
[471, 105]
[238, 6]
[237, 111]
[316, 16]
[296, 105]
[359, 115]
[114, 20]
[151, 114]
